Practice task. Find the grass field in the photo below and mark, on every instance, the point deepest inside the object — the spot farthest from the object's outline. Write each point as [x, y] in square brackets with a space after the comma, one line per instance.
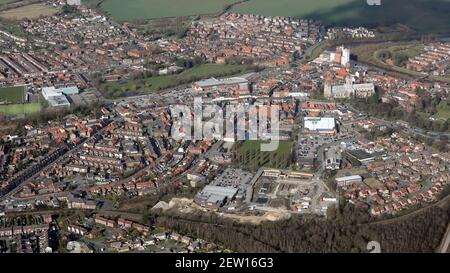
[370, 54]
[422, 15]
[14, 94]
[250, 156]
[16, 109]
[2, 2]
[152, 9]
[373, 183]
[443, 111]
[433, 14]
[29, 11]
[117, 89]
[398, 55]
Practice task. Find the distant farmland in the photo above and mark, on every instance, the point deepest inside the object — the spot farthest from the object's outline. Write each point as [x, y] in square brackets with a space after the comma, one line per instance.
[29, 11]
[10, 95]
[153, 9]
[422, 15]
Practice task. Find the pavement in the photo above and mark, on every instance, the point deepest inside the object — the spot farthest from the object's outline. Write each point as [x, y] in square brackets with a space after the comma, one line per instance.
[445, 244]
[52, 163]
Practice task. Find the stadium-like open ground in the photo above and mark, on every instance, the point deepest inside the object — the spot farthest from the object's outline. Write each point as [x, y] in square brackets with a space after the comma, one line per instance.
[15, 94]
[17, 109]
[434, 14]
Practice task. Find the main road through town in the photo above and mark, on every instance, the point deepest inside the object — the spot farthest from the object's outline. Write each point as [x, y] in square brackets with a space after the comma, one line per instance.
[51, 160]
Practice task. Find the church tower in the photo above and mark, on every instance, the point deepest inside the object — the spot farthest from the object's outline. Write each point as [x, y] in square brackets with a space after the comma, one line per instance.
[327, 90]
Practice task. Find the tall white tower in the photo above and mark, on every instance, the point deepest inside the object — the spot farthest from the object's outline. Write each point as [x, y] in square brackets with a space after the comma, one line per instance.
[345, 56]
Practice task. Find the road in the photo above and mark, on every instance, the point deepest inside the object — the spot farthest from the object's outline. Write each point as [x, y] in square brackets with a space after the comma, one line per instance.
[445, 244]
[34, 170]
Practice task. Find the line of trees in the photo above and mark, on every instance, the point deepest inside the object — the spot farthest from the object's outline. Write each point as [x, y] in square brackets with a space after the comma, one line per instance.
[345, 230]
[393, 111]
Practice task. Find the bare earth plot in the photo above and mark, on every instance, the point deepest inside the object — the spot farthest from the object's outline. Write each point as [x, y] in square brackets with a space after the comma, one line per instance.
[30, 12]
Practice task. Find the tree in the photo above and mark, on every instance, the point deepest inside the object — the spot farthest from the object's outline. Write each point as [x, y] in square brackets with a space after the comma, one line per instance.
[68, 9]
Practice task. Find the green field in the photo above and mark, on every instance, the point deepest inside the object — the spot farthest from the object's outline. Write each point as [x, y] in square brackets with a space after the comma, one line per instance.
[14, 94]
[250, 156]
[2, 2]
[117, 89]
[400, 54]
[422, 15]
[375, 55]
[16, 109]
[443, 110]
[152, 9]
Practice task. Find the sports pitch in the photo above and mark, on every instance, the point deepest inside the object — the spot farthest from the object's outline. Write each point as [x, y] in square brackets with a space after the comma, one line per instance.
[17, 109]
[11, 95]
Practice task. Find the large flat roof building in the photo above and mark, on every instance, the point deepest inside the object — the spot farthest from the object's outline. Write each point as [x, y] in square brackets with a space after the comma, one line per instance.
[215, 196]
[237, 83]
[57, 97]
[52, 91]
[348, 180]
[359, 156]
[320, 125]
[58, 101]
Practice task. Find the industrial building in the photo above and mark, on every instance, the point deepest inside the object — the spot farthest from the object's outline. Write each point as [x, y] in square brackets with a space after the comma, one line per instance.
[348, 180]
[215, 196]
[320, 125]
[235, 83]
[57, 97]
[359, 157]
[58, 101]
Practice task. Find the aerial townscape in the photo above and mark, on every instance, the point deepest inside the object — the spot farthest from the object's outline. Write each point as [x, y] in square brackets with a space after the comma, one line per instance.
[93, 158]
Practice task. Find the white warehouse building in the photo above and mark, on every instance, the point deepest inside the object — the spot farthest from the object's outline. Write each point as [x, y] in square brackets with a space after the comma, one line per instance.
[57, 97]
[320, 125]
